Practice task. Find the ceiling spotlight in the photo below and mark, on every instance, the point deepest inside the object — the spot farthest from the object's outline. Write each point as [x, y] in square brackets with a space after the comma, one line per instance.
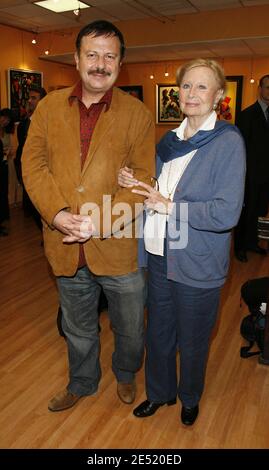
[47, 52]
[166, 74]
[251, 71]
[34, 41]
[151, 76]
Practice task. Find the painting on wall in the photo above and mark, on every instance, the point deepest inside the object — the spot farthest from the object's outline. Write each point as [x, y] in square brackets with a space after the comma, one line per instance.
[230, 107]
[19, 83]
[134, 90]
[167, 104]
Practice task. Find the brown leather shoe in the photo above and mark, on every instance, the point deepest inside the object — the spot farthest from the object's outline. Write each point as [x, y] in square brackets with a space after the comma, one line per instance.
[126, 392]
[63, 400]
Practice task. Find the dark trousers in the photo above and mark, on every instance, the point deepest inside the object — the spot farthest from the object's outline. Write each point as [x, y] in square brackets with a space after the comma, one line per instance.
[79, 297]
[255, 205]
[180, 317]
[4, 205]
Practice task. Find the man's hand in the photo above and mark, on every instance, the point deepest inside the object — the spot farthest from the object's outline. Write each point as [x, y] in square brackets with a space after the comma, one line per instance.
[77, 228]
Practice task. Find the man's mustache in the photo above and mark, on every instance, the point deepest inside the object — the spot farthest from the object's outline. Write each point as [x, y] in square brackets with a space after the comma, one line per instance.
[99, 71]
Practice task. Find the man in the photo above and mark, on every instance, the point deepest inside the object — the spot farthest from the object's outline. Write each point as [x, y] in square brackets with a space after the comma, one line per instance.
[3, 191]
[36, 93]
[253, 122]
[7, 126]
[79, 138]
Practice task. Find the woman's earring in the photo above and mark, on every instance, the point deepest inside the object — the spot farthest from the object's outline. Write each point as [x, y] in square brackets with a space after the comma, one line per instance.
[215, 106]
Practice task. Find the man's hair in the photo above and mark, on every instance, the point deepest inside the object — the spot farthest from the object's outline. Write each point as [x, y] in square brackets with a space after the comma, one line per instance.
[101, 28]
[263, 78]
[8, 113]
[38, 89]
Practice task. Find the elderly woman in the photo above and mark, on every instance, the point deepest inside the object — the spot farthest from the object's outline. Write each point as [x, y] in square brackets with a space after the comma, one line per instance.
[190, 214]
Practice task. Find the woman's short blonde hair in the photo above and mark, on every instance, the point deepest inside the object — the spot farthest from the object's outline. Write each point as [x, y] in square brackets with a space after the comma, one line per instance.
[211, 64]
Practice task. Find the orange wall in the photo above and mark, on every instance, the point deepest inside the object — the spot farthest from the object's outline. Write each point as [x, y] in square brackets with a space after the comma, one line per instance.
[138, 74]
[18, 52]
[205, 26]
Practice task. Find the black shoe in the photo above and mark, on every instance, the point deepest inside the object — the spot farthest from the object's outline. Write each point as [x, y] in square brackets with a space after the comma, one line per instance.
[258, 249]
[241, 255]
[189, 415]
[148, 408]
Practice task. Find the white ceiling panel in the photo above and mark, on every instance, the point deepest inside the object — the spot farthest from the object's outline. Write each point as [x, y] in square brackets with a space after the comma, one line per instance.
[91, 14]
[101, 3]
[259, 46]
[212, 49]
[67, 59]
[122, 11]
[168, 7]
[51, 20]
[236, 49]
[252, 3]
[23, 11]
[25, 15]
[204, 5]
[7, 3]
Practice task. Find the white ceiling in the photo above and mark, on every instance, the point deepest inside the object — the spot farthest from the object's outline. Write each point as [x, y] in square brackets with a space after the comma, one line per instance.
[25, 15]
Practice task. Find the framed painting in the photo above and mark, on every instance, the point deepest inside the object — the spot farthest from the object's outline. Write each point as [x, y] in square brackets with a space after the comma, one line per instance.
[134, 90]
[19, 83]
[230, 107]
[167, 104]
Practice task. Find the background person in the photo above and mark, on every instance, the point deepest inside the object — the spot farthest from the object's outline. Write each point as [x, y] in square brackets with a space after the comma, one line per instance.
[201, 164]
[7, 126]
[253, 123]
[35, 95]
[78, 140]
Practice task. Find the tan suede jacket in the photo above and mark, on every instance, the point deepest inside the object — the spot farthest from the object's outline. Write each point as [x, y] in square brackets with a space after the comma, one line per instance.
[51, 167]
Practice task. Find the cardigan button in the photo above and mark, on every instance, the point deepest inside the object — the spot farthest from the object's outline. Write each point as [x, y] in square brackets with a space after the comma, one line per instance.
[80, 189]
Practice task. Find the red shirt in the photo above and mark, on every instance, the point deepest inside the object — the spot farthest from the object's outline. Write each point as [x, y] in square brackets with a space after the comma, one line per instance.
[88, 119]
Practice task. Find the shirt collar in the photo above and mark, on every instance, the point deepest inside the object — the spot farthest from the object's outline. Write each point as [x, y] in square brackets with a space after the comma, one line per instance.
[262, 104]
[76, 93]
[208, 125]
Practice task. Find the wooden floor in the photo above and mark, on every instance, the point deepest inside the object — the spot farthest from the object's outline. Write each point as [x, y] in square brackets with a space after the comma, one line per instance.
[234, 411]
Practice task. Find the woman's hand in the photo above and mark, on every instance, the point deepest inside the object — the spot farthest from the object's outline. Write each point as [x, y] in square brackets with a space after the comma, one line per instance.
[126, 178]
[154, 200]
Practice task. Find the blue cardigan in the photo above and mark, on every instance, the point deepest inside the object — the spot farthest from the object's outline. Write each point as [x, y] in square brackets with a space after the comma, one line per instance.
[213, 188]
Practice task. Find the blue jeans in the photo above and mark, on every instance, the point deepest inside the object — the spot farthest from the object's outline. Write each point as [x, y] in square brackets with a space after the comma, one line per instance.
[79, 297]
[180, 318]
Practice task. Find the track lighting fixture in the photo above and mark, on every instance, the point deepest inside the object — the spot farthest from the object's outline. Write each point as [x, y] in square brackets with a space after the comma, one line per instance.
[251, 72]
